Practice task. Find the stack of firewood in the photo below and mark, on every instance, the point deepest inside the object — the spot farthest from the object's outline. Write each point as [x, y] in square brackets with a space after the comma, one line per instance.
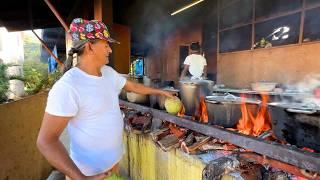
[137, 122]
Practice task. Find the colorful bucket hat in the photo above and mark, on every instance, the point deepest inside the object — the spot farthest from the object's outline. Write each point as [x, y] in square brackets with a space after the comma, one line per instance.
[81, 29]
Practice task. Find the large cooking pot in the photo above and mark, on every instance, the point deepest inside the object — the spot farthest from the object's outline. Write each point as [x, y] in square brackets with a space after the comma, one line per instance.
[226, 110]
[191, 91]
[296, 124]
[137, 98]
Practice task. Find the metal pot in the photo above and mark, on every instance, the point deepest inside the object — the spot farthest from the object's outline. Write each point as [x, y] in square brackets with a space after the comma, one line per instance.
[155, 83]
[296, 124]
[191, 91]
[137, 98]
[123, 94]
[137, 79]
[226, 112]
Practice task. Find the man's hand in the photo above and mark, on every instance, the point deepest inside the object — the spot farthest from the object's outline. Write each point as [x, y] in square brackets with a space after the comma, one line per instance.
[95, 177]
[168, 94]
[141, 89]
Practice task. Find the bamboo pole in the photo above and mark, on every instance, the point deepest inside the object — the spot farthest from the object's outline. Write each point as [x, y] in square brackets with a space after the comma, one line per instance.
[48, 50]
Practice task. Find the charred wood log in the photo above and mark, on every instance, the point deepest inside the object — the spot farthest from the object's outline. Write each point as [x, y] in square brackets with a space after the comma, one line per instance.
[219, 167]
[169, 142]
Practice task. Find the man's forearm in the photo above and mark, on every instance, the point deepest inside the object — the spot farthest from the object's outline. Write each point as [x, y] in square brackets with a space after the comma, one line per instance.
[58, 156]
[141, 89]
[205, 71]
[183, 74]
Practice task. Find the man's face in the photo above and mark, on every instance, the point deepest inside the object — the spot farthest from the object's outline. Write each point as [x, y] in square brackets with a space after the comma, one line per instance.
[102, 51]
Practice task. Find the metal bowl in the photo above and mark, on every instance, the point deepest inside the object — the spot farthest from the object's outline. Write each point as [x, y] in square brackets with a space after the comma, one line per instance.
[263, 86]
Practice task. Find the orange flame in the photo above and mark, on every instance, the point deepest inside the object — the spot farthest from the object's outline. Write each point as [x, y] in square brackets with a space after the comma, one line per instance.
[250, 125]
[176, 130]
[181, 112]
[203, 111]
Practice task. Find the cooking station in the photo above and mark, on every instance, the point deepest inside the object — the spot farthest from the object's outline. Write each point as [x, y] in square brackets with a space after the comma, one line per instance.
[259, 122]
[284, 153]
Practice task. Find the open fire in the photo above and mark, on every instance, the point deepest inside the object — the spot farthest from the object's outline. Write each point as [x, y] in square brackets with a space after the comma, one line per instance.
[250, 124]
[201, 114]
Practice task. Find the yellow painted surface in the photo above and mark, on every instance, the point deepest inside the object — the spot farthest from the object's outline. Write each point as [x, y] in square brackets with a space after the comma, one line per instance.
[20, 124]
[145, 161]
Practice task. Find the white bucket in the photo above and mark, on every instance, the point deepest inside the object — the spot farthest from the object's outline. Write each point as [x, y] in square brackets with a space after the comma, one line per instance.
[16, 89]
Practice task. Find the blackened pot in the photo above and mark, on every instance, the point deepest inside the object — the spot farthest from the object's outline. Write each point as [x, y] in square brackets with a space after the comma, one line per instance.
[297, 126]
[227, 113]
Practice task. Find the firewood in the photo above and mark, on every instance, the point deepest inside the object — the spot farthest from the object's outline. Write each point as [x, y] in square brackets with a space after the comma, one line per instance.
[155, 134]
[189, 139]
[279, 165]
[168, 142]
[219, 167]
[198, 144]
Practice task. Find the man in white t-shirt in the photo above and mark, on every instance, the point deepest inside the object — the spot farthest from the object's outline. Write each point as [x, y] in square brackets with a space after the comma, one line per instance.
[85, 100]
[195, 64]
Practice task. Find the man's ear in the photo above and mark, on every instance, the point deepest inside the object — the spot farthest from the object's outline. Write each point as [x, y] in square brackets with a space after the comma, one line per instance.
[89, 48]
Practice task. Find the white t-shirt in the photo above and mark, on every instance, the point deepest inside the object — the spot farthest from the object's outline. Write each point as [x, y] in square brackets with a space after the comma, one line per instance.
[96, 126]
[196, 64]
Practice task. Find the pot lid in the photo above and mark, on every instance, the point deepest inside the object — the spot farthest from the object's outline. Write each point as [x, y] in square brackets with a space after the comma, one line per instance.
[296, 105]
[229, 98]
[171, 89]
[196, 81]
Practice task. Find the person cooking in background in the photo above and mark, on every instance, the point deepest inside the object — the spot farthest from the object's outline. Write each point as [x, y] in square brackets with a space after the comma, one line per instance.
[86, 101]
[195, 63]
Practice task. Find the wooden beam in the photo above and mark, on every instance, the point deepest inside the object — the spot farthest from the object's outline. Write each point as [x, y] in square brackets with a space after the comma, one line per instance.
[303, 14]
[48, 50]
[55, 12]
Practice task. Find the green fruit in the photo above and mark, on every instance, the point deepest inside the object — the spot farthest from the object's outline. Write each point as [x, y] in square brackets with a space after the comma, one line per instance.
[114, 176]
[173, 105]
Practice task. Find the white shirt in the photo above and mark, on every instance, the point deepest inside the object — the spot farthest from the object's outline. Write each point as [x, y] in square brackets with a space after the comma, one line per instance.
[196, 64]
[96, 126]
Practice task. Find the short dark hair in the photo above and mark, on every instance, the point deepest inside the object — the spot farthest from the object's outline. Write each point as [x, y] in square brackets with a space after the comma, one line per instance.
[195, 46]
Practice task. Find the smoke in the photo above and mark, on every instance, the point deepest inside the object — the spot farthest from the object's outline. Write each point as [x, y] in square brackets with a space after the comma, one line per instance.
[151, 21]
[309, 87]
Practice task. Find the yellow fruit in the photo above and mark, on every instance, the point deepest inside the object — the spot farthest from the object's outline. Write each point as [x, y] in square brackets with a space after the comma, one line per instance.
[173, 105]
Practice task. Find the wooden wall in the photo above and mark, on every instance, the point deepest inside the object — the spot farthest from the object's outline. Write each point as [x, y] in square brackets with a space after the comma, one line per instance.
[20, 123]
[285, 64]
[169, 53]
[121, 52]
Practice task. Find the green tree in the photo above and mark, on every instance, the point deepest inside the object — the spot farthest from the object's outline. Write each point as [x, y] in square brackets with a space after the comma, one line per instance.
[4, 83]
[32, 47]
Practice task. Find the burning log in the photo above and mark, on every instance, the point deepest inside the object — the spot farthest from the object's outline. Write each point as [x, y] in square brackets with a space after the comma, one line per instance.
[179, 132]
[279, 165]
